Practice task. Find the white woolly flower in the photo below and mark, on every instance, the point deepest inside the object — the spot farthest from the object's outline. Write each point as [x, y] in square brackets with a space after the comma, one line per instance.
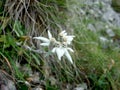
[66, 38]
[60, 51]
[61, 47]
[46, 41]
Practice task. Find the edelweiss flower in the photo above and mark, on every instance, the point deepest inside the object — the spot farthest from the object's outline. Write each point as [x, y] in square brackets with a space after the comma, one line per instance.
[46, 41]
[66, 38]
[61, 47]
[60, 51]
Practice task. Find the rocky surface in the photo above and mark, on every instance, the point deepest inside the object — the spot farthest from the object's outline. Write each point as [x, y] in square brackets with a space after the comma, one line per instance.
[102, 11]
[6, 82]
[103, 18]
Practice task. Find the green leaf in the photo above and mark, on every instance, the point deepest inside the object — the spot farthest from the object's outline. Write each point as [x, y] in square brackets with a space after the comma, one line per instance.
[36, 59]
[17, 27]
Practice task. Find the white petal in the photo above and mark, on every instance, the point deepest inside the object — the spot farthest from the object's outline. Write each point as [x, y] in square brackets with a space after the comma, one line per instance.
[63, 33]
[42, 38]
[68, 42]
[53, 50]
[59, 52]
[62, 51]
[70, 49]
[68, 56]
[45, 44]
[49, 34]
[69, 39]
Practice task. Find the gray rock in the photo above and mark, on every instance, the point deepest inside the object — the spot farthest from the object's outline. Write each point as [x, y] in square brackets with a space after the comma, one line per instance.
[6, 82]
[91, 27]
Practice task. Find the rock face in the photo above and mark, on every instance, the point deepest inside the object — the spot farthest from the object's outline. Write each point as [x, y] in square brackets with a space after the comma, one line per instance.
[105, 17]
[116, 5]
[103, 12]
[5, 82]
